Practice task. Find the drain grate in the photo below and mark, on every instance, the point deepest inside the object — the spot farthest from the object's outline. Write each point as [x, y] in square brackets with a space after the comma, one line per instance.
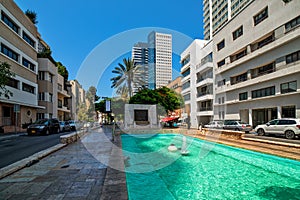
[64, 166]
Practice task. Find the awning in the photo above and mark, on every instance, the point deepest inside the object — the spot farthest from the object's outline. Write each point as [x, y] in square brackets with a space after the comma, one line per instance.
[168, 119]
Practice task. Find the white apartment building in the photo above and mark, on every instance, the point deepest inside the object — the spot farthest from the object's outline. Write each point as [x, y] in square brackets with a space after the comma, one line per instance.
[159, 59]
[197, 82]
[257, 63]
[217, 12]
[18, 48]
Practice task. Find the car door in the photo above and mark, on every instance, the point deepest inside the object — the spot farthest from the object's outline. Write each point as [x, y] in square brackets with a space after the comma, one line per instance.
[271, 126]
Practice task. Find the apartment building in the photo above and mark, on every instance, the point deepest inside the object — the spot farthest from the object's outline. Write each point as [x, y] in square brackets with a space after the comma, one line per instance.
[19, 46]
[177, 87]
[197, 82]
[217, 12]
[257, 63]
[159, 59]
[77, 98]
[63, 96]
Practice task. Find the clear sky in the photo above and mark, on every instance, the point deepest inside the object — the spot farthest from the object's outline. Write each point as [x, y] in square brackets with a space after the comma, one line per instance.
[74, 28]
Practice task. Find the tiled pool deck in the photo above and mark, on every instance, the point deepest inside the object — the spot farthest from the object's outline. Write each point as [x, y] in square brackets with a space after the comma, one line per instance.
[74, 173]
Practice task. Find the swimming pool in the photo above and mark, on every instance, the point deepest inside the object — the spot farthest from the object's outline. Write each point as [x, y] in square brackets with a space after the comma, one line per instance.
[209, 171]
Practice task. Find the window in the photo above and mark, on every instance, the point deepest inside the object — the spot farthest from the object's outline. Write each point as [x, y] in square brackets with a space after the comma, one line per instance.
[28, 39]
[238, 55]
[185, 61]
[50, 78]
[243, 96]
[293, 57]
[187, 97]
[266, 69]
[221, 45]
[40, 116]
[237, 33]
[265, 41]
[41, 96]
[186, 73]
[10, 53]
[239, 78]
[28, 88]
[292, 24]
[28, 64]
[260, 16]
[221, 63]
[288, 87]
[13, 83]
[221, 83]
[207, 59]
[9, 22]
[50, 97]
[41, 75]
[263, 92]
[289, 111]
[59, 103]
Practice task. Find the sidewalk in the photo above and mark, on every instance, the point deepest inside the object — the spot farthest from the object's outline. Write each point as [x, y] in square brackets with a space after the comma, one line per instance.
[73, 172]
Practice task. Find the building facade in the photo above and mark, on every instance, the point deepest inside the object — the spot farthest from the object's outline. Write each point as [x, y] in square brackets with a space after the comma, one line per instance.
[159, 59]
[140, 59]
[217, 12]
[19, 46]
[197, 82]
[257, 63]
[77, 99]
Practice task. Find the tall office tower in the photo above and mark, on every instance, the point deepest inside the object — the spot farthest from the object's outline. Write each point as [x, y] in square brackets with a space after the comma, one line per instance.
[216, 13]
[140, 59]
[159, 59]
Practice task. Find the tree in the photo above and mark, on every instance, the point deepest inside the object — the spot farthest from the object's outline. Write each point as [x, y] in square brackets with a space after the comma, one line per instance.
[5, 74]
[62, 70]
[164, 96]
[32, 16]
[126, 75]
[170, 100]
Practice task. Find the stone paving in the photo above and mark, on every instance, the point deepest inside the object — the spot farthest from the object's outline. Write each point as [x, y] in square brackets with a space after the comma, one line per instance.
[70, 173]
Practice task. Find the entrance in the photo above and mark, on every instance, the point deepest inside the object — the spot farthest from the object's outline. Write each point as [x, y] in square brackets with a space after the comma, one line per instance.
[262, 116]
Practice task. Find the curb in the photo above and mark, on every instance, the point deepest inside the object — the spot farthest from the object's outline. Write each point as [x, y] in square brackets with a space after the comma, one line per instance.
[27, 162]
[6, 137]
[273, 142]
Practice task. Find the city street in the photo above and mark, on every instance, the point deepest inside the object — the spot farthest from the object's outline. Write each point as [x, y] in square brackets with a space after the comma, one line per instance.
[13, 149]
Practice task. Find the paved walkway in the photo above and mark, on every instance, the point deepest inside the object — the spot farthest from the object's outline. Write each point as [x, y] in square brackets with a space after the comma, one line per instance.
[74, 172]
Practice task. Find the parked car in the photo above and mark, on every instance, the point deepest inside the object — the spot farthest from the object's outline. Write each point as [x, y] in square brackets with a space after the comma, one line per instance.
[287, 127]
[74, 125]
[214, 124]
[237, 126]
[64, 126]
[44, 126]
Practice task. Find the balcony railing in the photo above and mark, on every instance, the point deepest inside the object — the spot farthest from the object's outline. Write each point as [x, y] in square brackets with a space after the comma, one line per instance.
[205, 109]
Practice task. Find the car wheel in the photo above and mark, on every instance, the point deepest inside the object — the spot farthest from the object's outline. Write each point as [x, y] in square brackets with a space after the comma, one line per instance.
[289, 134]
[236, 129]
[261, 132]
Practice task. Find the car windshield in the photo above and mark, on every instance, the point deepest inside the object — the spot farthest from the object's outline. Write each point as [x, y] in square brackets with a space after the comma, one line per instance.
[41, 121]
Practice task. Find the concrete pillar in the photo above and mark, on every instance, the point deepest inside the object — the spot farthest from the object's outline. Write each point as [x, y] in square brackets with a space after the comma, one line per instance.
[278, 112]
[250, 117]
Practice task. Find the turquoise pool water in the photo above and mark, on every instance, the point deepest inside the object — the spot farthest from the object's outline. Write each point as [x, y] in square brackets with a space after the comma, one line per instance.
[209, 171]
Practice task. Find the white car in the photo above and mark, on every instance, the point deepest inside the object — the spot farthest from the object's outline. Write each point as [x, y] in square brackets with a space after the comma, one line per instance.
[214, 124]
[288, 127]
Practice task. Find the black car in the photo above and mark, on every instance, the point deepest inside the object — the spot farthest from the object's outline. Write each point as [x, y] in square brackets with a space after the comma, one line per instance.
[44, 126]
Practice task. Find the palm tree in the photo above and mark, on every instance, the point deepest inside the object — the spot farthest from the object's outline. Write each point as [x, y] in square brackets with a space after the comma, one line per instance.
[126, 75]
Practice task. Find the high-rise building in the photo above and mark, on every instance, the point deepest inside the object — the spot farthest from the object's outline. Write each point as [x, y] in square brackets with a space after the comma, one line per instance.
[216, 13]
[140, 59]
[159, 59]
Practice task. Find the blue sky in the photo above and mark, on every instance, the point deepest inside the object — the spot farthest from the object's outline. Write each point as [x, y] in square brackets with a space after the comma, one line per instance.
[75, 28]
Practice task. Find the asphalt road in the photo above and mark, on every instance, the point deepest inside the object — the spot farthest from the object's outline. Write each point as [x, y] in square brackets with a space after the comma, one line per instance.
[16, 148]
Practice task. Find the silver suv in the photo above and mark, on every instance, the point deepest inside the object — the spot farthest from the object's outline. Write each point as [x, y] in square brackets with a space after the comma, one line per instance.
[288, 127]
